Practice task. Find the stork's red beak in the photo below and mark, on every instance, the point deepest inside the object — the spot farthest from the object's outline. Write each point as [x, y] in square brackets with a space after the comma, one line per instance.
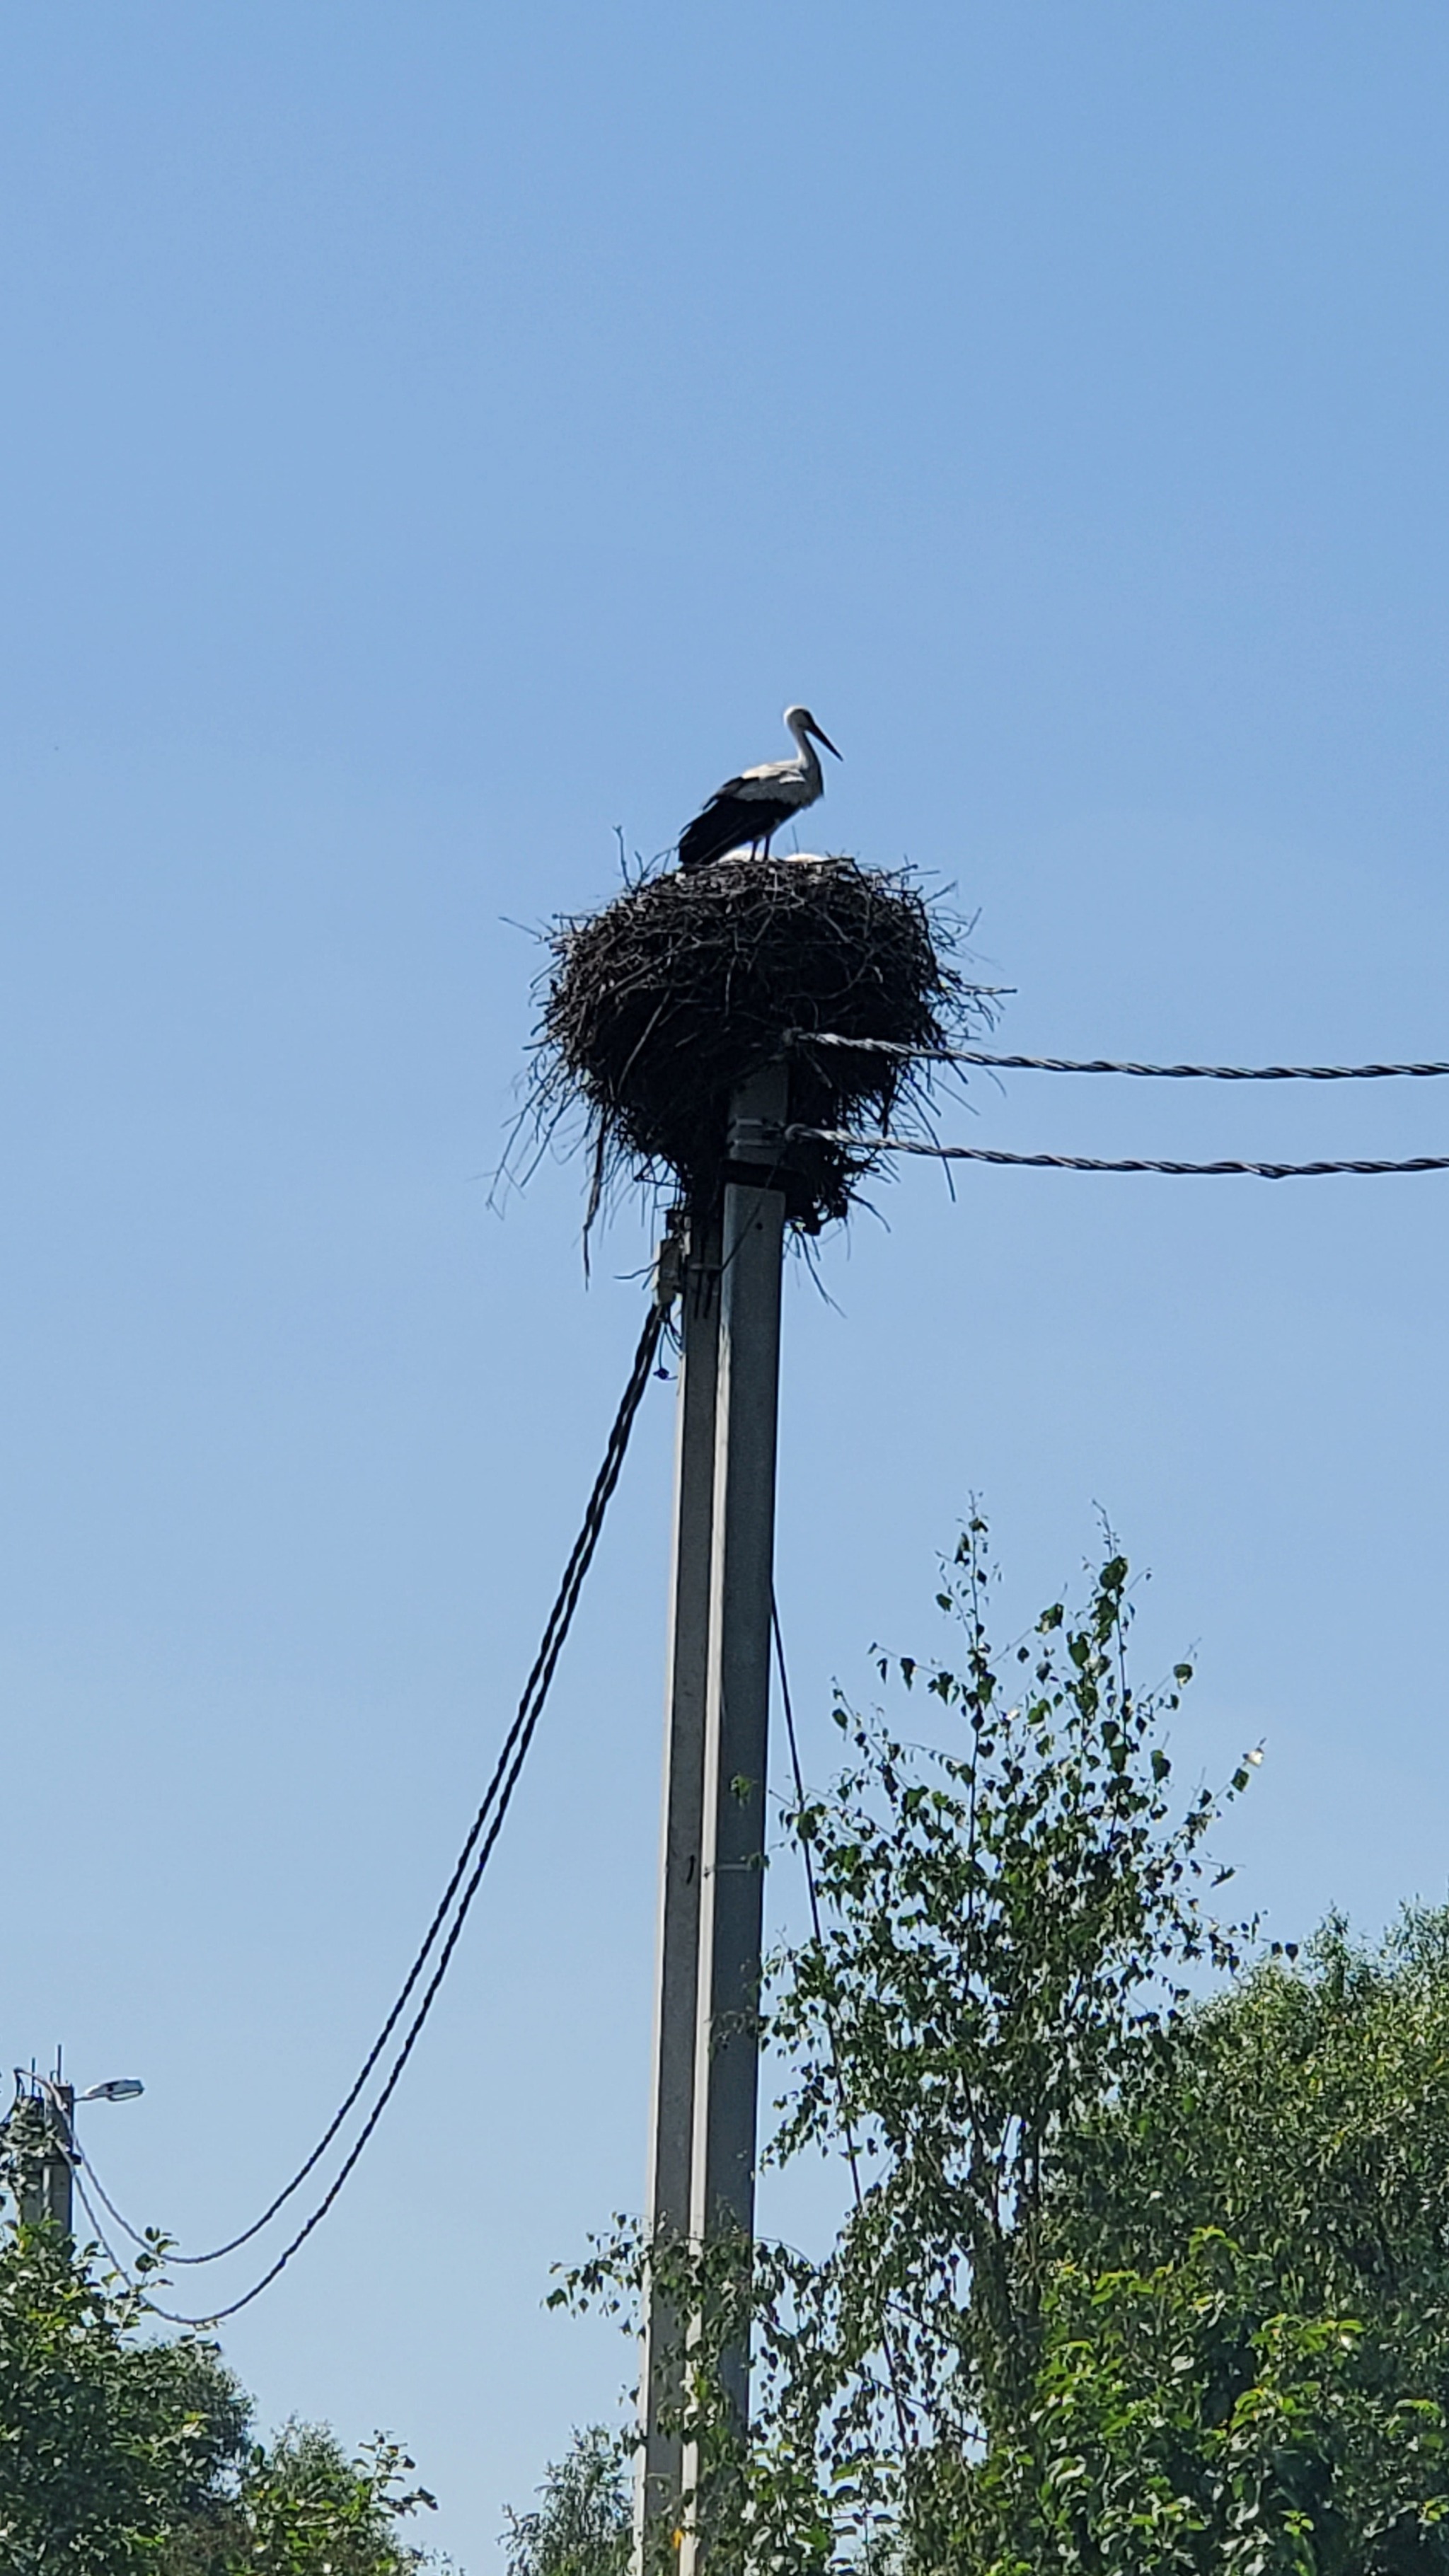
[825, 738]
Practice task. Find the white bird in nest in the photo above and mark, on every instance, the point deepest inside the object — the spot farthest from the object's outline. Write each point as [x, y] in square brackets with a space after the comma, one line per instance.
[748, 811]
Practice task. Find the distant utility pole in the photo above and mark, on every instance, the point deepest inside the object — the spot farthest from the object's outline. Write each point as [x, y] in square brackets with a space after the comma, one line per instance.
[58, 2171]
[706, 2077]
[38, 2136]
[40, 2129]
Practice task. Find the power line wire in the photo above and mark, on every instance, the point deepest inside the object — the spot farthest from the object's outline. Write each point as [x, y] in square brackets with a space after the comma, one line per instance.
[102, 2239]
[1095, 1163]
[842, 2098]
[497, 1798]
[1100, 1064]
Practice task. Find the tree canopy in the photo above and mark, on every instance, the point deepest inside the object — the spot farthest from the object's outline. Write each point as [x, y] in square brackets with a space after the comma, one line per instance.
[1143, 2268]
[1245, 2355]
[121, 2452]
[1145, 2256]
[581, 2523]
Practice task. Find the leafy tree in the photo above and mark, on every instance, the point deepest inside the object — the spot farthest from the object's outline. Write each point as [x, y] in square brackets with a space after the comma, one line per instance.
[1011, 1920]
[121, 2453]
[1247, 2340]
[1185, 2420]
[1130, 2281]
[581, 2526]
[106, 2442]
[301, 2507]
[1305, 2112]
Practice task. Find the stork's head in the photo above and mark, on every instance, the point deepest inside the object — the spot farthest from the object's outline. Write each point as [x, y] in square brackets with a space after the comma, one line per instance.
[800, 722]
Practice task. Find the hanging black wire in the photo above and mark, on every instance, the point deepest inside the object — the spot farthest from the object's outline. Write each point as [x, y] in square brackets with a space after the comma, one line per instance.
[1097, 1163]
[842, 2098]
[983, 1056]
[495, 1803]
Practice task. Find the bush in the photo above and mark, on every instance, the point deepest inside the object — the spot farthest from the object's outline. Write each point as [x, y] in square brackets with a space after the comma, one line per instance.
[121, 2453]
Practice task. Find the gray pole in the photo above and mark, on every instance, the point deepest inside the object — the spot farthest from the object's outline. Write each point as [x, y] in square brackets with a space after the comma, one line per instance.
[40, 2129]
[59, 2178]
[726, 2076]
[27, 2135]
[660, 2467]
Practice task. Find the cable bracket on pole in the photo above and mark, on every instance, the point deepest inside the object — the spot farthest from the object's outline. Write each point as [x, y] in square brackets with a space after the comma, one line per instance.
[756, 1140]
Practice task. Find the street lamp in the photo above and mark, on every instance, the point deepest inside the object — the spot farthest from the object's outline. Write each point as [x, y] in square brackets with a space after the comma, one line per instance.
[47, 2191]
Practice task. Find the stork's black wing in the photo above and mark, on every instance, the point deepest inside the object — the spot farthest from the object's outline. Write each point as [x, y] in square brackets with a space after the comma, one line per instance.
[730, 819]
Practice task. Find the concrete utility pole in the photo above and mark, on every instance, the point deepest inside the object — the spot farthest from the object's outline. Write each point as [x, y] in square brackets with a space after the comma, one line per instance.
[696, 1251]
[737, 1714]
[707, 2045]
[58, 2176]
[47, 2179]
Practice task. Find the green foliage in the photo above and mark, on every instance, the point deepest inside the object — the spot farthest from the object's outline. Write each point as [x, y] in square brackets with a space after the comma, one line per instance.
[1133, 2283]
[581, 2525]
[1010, 1920]
[120, 2453]
[107, 2443]
[1306, 2113]
[301, 2507]
[1248, 2324]
[1183, 2421]
[1134, 2279]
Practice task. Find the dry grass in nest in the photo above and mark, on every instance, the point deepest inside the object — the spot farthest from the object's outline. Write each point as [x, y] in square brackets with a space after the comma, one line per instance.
[659, 1006]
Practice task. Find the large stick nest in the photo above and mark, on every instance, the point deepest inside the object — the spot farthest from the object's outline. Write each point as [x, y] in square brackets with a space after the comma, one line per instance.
[659, 1006]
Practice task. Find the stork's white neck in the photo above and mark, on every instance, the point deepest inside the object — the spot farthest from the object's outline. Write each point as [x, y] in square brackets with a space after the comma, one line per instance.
[809, 757]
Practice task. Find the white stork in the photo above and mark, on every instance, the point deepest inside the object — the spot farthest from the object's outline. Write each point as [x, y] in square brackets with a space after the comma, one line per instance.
[749, 810]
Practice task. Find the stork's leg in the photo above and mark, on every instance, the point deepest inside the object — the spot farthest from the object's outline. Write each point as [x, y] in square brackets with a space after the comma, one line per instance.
[765, 848]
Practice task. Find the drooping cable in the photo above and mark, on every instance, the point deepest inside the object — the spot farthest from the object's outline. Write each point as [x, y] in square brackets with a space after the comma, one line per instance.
[78, 2186]
[984, 1057]
[847, 2121]
[1096, 1163]
[496, 1801]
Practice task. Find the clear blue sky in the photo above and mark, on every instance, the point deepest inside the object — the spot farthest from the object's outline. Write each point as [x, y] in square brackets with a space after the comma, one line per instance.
[436, 435]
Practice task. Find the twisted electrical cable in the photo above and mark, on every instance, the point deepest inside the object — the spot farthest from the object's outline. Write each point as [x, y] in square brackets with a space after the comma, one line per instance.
[984, 1057]
[1096, 1163]
[496, 1801]
[109, 2251]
